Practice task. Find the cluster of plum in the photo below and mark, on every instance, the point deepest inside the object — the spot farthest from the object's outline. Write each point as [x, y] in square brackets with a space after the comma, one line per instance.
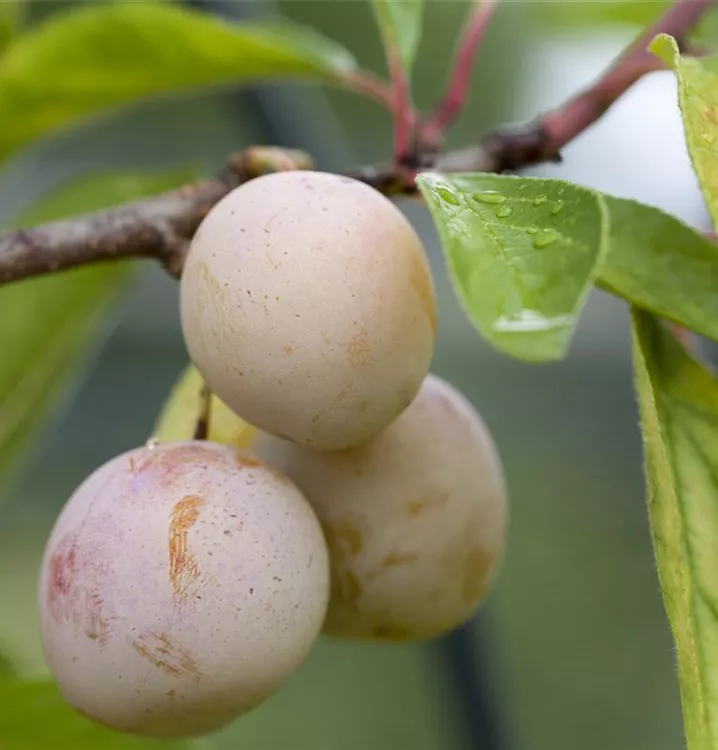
[355, 494]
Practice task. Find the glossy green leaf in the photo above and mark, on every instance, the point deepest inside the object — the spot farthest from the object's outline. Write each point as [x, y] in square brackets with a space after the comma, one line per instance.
[522, 253]
[89, 60]
[661, 264]
[698, 99]
[679, 413]
[34, 716]
[47, 324]
[400, 25]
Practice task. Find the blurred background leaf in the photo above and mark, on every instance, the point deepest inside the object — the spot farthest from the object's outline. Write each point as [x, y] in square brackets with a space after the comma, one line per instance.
[111, 54]
[36, 717]
[48, 324]
[12, 15]
[400, 22]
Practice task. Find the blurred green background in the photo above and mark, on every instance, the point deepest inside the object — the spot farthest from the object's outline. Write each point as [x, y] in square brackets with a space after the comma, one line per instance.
[572, 649]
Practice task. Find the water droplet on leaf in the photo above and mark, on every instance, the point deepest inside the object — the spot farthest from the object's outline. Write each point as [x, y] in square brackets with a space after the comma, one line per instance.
[489, 196]
[544, 238]
[448, 196]
[539, 199]
[532, 230]
[556, 208]
[503, 211]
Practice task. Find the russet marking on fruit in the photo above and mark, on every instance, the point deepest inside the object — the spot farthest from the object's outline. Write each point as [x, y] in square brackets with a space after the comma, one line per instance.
[63, 568]
[395, 559]
[183, 564]
[159, 650]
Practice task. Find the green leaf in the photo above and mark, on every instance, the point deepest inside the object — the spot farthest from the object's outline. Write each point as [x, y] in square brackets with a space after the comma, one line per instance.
[662, 265]
[92, 59]
[400, 25]
[6, 667]
[36, 717]
[522, 253]
[679, 413]
[589, 14]
[47, 324]
[698, 99]
[12, 13]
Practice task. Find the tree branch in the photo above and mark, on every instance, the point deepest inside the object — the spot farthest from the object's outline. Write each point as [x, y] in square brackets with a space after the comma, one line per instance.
[161, 227]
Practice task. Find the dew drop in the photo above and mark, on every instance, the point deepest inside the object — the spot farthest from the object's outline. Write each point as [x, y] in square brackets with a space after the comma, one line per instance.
[489, 196]
[539, 199]
[544, 238]
[503, 211]
[152, 444]
[709, 138]
[449, 196]
[532, 230]
[556, 208]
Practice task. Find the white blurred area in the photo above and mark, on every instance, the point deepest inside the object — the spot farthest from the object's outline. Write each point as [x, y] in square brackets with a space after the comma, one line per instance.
[637, 150]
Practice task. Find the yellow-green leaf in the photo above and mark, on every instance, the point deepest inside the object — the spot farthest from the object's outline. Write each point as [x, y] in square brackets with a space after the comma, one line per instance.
[698, 99]
[679, 414]
[48, 324]
[185, 407]
[86, 61]
[12, 14]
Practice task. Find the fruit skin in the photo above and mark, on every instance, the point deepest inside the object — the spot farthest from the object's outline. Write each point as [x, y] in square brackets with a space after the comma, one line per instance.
[415, 519]
[180, 587]
[308, 306]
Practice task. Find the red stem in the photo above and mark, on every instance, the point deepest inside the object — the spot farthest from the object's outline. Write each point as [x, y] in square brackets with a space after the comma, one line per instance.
[451, 105]
[403, 109]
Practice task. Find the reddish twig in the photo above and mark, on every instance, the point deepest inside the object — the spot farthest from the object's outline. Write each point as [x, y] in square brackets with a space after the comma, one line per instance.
[161, 227]
[403, 108]
[543, 139]
[451, 105]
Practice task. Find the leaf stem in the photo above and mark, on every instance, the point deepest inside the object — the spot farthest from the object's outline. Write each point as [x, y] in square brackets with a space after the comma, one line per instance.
[453, 102]
[403, 110]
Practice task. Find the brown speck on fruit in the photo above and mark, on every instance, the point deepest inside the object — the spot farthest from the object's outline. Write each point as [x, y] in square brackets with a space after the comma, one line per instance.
[132, 465]
[344, 538]
[358, 350]
[394, 559]
[416, 507]
[159, 650]
[183, 564]
[288, 351]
